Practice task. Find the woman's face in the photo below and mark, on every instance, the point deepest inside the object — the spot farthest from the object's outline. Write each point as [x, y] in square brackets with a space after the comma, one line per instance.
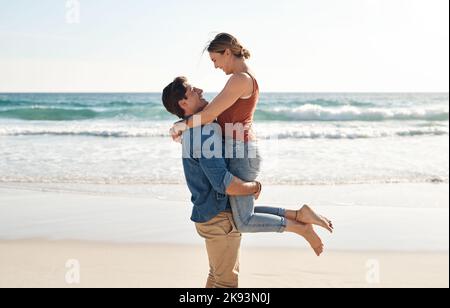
[222, 61]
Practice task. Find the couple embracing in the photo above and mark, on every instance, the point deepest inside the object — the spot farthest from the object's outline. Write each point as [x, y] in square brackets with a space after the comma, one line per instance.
[221, 162]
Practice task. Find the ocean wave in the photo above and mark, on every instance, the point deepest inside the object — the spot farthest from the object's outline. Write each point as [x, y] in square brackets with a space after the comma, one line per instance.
[39, 113]
[318, 113]
[264, 133]
[272, 107]
[49, 114]
[317, 134]
[171, 181]
[68, 104]
[86, 133]
[15, 103]
[293, 103]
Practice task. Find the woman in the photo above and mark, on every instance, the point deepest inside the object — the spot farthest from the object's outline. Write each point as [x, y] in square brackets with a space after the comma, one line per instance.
[234, 110]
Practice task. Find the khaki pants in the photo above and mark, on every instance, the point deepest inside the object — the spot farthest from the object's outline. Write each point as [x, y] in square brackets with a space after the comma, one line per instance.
[223, 243]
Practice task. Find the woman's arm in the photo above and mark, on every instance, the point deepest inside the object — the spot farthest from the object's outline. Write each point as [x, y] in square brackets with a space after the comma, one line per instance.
[241, 188]
[236, 87]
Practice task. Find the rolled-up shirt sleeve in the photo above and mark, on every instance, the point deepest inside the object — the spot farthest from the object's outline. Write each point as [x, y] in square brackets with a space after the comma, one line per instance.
[217, 173]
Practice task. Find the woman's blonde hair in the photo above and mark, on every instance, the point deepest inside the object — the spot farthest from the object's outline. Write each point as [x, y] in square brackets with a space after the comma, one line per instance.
[224, 41]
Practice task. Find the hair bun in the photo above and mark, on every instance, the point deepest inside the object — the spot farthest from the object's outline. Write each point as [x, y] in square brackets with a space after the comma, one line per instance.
[224, 41]
[245, 53]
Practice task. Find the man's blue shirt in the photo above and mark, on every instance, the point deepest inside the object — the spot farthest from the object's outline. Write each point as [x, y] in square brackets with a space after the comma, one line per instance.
[206, 171]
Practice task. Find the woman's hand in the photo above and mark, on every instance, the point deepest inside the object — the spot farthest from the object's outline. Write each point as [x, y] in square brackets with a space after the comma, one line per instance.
[177, 131]
[258, 193]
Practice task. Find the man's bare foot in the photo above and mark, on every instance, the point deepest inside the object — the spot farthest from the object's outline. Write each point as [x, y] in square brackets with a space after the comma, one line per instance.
[307, 216]
[307, 232]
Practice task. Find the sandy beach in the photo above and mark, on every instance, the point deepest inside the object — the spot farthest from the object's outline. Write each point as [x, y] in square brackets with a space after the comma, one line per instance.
[43, 264]
[142, 237]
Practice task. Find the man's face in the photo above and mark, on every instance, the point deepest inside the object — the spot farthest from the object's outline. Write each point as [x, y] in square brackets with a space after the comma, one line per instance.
[194, 101]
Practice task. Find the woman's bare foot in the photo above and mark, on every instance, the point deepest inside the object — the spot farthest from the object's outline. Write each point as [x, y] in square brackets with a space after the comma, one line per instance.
[307, 232]
[307, 216]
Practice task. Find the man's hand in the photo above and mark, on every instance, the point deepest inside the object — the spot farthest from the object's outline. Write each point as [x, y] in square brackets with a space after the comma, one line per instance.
[176, 136]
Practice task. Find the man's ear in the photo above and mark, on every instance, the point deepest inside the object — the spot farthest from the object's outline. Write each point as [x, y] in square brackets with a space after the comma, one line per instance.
[183, 104]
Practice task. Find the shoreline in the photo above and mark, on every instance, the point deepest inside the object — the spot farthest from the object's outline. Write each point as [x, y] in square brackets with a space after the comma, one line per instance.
[160, 214]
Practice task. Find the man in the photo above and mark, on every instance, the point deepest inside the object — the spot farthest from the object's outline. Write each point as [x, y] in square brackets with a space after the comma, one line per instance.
[210, 184]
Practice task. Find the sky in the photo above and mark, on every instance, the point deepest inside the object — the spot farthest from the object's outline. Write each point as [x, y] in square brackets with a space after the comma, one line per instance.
[296, 45]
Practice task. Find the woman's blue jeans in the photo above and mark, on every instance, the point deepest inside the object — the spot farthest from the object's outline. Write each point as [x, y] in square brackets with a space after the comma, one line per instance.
[245, 163]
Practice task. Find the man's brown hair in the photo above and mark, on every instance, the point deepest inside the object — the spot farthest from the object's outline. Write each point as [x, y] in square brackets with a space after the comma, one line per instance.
[173, 94]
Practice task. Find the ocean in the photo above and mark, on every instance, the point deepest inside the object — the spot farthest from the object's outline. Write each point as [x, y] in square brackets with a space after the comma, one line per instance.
[306, 139]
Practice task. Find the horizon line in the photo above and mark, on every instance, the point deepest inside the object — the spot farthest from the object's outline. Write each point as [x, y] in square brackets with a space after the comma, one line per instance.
[264, 92]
